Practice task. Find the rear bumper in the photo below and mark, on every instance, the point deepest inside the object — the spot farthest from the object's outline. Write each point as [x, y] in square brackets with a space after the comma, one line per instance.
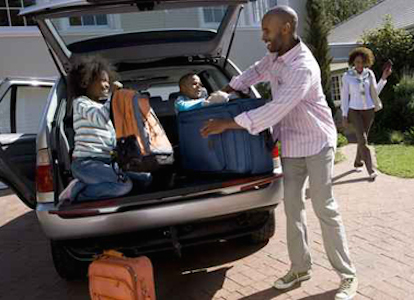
[157, 216]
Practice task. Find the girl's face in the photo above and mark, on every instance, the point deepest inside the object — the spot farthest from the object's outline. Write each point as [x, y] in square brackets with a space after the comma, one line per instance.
[99, 88]
[359, 63]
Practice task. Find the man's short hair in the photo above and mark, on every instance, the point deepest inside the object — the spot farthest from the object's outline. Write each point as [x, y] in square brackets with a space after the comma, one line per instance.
[286, 13]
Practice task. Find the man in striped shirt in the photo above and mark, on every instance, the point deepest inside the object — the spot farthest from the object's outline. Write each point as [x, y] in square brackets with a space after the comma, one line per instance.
[302, 121]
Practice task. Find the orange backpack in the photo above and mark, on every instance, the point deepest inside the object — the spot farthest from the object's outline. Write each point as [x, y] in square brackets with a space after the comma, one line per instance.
[142, 145]
[113, 276]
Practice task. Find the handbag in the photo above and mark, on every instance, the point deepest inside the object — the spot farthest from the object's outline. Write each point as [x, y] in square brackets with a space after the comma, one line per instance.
[374, 94]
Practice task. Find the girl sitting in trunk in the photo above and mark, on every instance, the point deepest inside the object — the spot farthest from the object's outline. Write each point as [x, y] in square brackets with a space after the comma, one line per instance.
[89, 86]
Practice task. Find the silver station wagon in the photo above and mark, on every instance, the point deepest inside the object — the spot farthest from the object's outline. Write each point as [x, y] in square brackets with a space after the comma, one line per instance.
[152, 44]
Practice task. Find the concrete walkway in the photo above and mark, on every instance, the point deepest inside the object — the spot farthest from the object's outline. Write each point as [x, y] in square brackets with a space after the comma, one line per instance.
[379, 219]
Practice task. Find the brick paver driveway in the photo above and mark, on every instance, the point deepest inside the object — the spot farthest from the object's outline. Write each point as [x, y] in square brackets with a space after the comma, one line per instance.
[378, 217]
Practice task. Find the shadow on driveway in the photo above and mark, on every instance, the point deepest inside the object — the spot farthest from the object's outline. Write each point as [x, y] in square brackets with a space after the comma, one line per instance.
[27, 270]
[272, 293]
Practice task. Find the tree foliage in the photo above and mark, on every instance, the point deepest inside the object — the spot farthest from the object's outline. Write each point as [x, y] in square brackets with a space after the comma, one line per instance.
[317, 40]
[338, 11]
[389, 42]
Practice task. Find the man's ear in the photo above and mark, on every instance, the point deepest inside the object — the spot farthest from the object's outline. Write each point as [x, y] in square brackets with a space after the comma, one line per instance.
[287, 28]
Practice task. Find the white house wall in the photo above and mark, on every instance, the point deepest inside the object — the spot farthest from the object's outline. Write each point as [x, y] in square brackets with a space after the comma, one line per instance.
[28, 55]
[25, 56]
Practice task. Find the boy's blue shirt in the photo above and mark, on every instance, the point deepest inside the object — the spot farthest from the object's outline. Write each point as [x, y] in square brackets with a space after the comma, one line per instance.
[184, 103]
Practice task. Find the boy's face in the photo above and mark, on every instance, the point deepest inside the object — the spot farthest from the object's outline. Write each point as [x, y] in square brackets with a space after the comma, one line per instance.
[193, 87]
[99, 88]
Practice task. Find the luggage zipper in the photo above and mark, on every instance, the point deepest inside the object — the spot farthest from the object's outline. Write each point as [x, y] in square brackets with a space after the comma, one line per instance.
[130, 271]
[249, 164]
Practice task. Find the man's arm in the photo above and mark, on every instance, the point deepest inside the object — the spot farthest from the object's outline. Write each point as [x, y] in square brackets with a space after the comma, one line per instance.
[288, 96]
[255, 121]
[255, 74]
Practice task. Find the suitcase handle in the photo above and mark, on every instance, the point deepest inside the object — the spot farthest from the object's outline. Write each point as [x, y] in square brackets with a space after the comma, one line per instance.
[112, 253]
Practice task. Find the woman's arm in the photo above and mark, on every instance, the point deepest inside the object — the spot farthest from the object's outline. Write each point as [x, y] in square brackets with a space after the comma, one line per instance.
[345, 100]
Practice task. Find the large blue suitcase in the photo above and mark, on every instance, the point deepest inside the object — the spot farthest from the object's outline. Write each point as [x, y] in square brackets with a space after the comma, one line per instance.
[232, 152]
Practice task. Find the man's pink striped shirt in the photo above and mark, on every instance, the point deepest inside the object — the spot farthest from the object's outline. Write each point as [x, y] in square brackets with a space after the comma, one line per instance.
[298, 113]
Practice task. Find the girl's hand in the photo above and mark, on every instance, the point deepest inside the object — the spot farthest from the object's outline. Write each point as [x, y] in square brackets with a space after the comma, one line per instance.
[116, 85]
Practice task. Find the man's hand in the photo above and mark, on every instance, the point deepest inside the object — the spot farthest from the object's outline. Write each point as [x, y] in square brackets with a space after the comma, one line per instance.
[345, 122]
[217, 126]
[228, 89]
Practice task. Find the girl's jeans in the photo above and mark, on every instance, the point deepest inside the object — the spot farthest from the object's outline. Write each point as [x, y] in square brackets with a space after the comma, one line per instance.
[98, 179]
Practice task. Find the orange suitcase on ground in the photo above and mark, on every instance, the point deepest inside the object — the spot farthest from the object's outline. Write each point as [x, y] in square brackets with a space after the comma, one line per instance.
[113, 276]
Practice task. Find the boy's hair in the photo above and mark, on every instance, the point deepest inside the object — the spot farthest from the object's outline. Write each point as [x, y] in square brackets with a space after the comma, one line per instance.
[84, 70]
[184, 80]
[365, 53]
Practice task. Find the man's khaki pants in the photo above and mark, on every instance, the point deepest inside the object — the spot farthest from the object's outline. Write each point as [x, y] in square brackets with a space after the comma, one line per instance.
[319, 168]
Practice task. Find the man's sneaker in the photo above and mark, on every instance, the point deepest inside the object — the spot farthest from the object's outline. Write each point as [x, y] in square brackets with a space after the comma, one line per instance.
[66, 194]
[348, 289]
[290, 279]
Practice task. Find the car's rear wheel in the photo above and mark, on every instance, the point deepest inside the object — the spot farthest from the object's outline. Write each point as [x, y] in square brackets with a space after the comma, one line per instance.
[66, 265]
[264, 234]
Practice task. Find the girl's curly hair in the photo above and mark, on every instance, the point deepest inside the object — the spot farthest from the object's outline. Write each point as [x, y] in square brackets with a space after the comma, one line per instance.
[84, 71]
[365, 53]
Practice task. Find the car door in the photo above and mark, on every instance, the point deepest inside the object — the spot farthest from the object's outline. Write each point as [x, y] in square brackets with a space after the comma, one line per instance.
[21, 107]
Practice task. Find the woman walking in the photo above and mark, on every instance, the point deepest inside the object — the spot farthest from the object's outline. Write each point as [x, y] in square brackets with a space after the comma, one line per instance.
[359, 99]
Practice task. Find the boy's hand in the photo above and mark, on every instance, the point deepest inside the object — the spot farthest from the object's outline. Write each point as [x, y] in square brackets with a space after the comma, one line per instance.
[218, 97]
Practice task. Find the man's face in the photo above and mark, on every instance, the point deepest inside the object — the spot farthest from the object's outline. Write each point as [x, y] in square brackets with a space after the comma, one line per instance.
[193, 87]
[272, 34]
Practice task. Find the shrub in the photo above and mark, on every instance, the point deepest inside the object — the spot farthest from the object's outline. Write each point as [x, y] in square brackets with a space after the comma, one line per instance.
[379, 134]
[396, 137]
[342, 140]
[409, 136]
[264, 90]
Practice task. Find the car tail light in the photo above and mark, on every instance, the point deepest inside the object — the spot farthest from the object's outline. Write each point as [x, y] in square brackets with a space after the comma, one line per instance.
[275, 152]
[276, 159]
[44, 174]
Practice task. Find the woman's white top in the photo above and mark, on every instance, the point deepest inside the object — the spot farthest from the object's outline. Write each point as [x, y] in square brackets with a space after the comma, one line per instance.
[355, 92]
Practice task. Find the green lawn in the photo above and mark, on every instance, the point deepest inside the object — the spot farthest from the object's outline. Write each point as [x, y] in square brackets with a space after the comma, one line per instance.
[339, 156]
[396, 160]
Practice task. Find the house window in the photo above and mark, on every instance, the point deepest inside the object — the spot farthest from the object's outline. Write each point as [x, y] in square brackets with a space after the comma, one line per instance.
[214, 14]
[260, 7]
[89, 20]
[336, 87]
[9, 10]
